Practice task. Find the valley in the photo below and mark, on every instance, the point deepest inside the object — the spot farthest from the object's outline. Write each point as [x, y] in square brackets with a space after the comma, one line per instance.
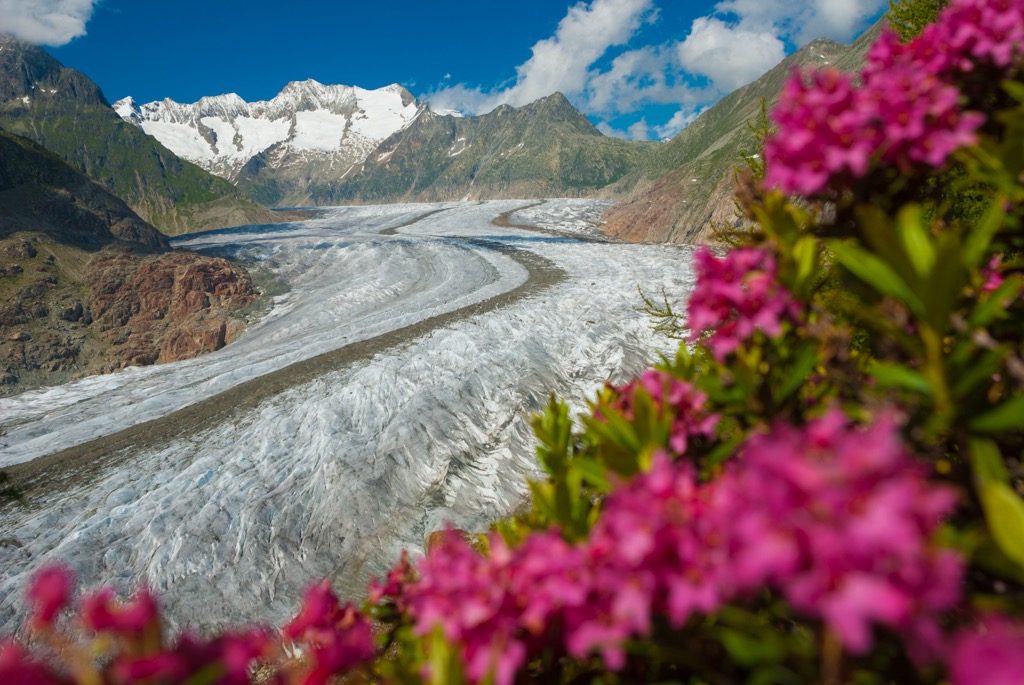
[387, 392]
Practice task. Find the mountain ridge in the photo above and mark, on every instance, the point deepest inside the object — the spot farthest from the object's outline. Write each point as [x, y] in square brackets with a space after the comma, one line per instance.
[65, 112]
[546, 148]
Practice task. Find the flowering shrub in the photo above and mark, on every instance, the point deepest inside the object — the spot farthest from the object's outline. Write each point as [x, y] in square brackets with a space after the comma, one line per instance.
[823, 486]
[122, 642]
[736, 297]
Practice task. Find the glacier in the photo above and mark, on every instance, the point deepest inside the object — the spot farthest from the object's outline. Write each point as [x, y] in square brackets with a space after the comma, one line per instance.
[336, 474]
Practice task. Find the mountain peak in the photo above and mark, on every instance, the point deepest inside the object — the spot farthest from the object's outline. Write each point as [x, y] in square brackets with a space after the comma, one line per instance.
[26, 70]
[315, 128]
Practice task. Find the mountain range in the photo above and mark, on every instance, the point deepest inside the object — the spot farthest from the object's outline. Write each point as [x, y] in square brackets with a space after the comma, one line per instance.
[545, 149]
[327, 145]
[322, 145]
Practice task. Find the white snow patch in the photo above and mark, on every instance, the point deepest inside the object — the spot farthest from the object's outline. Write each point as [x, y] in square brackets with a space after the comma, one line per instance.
[318, 130]
[181, 139]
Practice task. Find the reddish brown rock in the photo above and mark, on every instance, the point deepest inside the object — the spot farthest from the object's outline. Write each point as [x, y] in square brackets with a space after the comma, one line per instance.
[172, 306]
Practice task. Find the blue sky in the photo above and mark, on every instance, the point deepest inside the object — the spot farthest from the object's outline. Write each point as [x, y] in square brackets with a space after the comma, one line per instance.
[637, 68]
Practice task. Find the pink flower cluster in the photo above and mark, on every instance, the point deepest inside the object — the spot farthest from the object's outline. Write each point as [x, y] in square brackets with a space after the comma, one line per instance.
[839, 521]
[991, 653]
[336, 639]
[842, 526]
[737, 296]
[969, 34]
[672, 397]
[340, 637]
[909, 110]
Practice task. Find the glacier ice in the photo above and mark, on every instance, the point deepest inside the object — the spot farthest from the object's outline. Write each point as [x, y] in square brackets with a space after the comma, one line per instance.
[334, 477]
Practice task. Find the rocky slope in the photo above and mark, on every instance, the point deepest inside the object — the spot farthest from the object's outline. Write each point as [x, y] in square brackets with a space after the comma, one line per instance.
[274, 149]
[544, 149]
[688, 183]
[87, 286]
[65, 112]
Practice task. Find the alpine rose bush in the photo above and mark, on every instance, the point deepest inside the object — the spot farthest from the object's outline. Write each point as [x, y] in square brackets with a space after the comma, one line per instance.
[671, 397]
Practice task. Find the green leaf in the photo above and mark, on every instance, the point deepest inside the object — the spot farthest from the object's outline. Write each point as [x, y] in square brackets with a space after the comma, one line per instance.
[876, 273]
[987, 462]
[1014, 89]
[750, 651]
[553, 429]
[897, 376]
[993, 306]
[1004, 513]
[916, 241]
[1007, 416]
[593, 473]
[978, 239]
[807, 359]
[978, 371]
[944, 284]
[805, 253]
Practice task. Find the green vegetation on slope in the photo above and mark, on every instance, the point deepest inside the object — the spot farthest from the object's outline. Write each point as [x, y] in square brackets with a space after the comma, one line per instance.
[547, 148]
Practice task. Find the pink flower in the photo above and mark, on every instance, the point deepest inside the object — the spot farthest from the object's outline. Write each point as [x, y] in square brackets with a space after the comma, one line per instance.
[838, 520]
[912, 110]
[50, 592]
[737, 296]
[102, 612]
[230, 655]
[991, 274]
[16, 666]
[857, 516]
[672, 398]
[340, 636]
[991, 653]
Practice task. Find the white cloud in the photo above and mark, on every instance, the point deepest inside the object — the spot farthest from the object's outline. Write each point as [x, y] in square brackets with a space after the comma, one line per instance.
[48, 22]
[730, 56]
[560, 63]
[803, 20]
[677, 123]
[733, 45]
[639, 131]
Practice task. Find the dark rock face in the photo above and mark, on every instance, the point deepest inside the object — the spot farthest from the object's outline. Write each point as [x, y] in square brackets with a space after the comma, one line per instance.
[126, 309]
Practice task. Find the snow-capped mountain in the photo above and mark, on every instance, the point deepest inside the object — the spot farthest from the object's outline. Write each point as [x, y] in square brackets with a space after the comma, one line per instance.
[309, 133]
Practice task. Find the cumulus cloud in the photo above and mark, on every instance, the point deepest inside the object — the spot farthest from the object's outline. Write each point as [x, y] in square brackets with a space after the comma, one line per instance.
[730, 56]
[677, 123]
[48, 22]
[803, 20]
[733, 45]
[559, 63]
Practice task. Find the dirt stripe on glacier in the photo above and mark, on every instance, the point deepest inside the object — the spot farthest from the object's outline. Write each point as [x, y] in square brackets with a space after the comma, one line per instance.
[76, 466]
